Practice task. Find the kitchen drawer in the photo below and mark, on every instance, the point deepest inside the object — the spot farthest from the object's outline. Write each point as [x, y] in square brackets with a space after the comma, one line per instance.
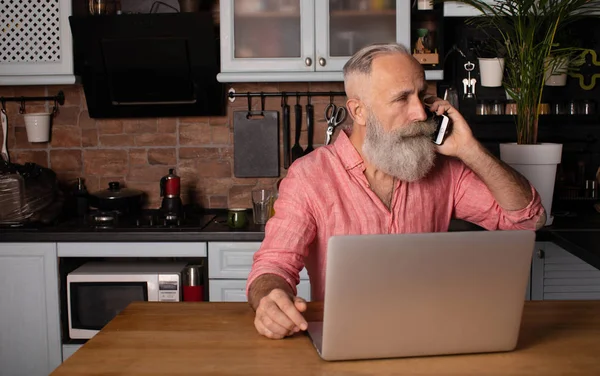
[233, 260]
[234, 290]
[179, 249]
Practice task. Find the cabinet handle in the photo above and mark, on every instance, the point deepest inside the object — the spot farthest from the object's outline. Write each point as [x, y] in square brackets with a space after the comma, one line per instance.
[541, 254]
[308, 61]
[322, 62]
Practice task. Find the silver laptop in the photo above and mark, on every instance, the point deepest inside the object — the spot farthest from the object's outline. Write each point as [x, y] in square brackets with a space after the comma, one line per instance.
[406, 295]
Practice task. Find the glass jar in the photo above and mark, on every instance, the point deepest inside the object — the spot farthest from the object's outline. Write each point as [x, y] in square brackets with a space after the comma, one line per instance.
[102, 7]
[558, 108]
[482, 108]
[497, 108]
[588, 107]
[511, 108]
[572, 107]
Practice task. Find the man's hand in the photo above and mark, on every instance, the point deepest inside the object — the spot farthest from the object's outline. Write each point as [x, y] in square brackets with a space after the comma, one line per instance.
[279, 315]
[460, 139]
[510, 189]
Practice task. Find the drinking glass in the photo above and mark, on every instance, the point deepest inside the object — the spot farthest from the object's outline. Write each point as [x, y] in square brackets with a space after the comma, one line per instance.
[262, 204]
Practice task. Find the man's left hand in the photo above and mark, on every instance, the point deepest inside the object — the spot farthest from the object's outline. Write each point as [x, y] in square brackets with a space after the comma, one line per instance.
[460, 139]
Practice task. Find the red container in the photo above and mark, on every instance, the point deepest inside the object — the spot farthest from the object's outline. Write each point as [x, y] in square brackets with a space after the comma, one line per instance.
[170, 185]
[193, 288]
[193, 293]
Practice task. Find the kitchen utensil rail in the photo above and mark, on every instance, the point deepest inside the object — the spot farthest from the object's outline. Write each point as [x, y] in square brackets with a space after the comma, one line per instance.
[59, 99]
[232, 94]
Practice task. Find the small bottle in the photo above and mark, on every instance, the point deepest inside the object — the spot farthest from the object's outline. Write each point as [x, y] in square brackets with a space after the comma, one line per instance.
[81, 197]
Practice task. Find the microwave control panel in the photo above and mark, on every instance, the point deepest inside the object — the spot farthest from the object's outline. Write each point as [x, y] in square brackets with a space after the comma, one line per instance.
[169, 288]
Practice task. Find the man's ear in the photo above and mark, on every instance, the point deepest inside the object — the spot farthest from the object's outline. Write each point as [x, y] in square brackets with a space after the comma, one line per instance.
[357, 111]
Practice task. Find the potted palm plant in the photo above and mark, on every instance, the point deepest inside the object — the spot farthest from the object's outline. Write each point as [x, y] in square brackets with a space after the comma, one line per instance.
[528, 30]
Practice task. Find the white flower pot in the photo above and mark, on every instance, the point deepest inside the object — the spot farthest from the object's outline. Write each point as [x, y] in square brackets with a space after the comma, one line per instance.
[491, 71]
[538, 164]
[424, 4]
[38, 126]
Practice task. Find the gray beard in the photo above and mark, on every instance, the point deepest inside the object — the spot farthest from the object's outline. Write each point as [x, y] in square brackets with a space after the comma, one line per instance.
[406, 153]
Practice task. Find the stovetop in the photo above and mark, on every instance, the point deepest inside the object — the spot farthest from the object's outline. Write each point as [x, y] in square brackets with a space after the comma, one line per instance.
[113, 221]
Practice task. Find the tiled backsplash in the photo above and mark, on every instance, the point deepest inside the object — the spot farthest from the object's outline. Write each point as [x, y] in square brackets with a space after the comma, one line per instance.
[138, 152]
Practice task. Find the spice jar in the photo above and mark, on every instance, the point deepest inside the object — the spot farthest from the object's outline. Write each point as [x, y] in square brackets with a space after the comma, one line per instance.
[511, 108]
[572, 107]
[482, 108]
[497, 108]
[558, 108]
[587, 107]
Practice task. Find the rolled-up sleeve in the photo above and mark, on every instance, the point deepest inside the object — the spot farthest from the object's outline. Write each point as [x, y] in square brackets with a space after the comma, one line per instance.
[474, 202]
[287, 234]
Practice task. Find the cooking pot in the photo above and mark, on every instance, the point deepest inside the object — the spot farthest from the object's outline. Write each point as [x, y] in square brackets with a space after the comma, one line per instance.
[124, 200]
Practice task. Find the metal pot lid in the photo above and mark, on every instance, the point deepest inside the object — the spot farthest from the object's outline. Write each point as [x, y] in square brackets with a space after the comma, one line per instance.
[114, 191]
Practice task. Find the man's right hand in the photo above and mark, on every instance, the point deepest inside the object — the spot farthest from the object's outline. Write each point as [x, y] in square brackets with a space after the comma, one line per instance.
[279, 315]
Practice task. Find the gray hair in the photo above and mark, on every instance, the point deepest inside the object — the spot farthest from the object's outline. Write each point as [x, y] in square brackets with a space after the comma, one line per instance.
[362, 60]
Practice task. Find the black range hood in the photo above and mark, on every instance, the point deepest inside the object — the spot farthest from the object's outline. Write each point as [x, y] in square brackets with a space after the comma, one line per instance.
[149, 65]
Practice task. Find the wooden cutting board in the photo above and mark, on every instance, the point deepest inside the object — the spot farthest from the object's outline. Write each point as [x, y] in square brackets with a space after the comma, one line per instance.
[256, 144]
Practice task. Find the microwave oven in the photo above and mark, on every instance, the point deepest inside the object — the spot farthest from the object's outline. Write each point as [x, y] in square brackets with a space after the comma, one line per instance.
[98, 291]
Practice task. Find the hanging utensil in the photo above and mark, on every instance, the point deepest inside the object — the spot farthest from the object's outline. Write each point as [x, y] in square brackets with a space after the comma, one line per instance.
[310, 113]
[334, 116]
[297, 150]
[4, 119]
[256, 142]
[286, 131]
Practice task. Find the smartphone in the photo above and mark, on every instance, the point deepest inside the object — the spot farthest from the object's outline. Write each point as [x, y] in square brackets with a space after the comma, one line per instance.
[442, 126]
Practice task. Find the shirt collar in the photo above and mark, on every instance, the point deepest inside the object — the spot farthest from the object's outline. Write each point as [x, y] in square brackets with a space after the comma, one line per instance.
[347, 152]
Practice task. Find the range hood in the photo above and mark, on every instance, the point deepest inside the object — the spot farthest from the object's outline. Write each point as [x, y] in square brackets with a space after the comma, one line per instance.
[148, 65]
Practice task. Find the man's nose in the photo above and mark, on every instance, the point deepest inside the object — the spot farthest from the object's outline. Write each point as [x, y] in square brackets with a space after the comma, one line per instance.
[417, 111]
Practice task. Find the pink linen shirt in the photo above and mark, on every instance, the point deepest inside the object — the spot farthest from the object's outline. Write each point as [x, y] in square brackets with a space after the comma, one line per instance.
[326, 193]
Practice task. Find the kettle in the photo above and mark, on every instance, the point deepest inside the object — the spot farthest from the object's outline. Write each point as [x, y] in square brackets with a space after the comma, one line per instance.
[170, 185]
[169, 191]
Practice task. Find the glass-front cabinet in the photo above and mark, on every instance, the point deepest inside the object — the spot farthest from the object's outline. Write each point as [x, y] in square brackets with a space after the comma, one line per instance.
[304, 40]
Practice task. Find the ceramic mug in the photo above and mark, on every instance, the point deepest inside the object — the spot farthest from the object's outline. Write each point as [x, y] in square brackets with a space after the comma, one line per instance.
[237, 218]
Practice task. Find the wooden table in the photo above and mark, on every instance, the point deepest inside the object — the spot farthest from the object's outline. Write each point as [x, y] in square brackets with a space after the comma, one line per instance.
[557, 338]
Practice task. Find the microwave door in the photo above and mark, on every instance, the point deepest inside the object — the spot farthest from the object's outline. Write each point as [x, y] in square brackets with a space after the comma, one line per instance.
[95, 300]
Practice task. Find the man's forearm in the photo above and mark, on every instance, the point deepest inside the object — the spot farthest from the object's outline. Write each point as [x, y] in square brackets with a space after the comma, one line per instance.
[263, 285]
[509, 188]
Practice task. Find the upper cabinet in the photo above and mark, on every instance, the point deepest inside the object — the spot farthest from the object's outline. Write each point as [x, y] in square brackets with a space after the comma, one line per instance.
[35, 43]
[304, 40]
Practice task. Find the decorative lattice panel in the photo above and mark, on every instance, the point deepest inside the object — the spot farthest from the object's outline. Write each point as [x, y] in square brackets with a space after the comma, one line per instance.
[29, 31]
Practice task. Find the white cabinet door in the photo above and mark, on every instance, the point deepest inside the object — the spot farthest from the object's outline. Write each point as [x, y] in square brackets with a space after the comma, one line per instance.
[234, 260]
[343, 30]
[256, 38]
[36, 43]
[29, 310]
[558, 275]
[303, 40]
[234, 290]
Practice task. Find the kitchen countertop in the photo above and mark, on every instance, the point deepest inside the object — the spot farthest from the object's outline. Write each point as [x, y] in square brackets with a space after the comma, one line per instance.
[556, 338]
[578, 234]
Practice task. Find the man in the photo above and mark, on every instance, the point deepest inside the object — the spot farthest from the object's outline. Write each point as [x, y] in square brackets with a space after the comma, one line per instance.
[386, 176]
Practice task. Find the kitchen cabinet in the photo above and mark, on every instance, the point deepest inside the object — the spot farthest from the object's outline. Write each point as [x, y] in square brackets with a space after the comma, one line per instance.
[36, 43]
[29, 314]
[137, 249]
[558, 275]
[229, 264]
[305, 40]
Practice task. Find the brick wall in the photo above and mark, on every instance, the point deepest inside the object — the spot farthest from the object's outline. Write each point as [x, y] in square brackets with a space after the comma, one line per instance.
[138, 152]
